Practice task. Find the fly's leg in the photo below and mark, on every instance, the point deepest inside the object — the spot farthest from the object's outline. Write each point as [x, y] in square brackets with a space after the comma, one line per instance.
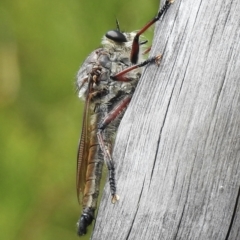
[147, 50]
[121, 75]
[110, 166]
[113, 114]
[135, 45]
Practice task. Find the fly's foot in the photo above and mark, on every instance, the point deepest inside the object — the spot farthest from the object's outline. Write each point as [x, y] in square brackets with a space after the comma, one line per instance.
[115, 198]
[158, 59]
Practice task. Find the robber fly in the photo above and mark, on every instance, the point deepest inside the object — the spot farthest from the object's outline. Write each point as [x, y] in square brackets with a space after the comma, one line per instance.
[106, 81]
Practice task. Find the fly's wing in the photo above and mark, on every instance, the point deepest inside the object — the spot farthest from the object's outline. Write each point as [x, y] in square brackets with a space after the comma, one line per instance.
[83, 147]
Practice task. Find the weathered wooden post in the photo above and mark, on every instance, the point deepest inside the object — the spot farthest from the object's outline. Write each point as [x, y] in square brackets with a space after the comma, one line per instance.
[177, 152]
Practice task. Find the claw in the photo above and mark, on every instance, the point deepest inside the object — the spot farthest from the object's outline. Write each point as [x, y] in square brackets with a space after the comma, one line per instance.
[115, 198]
[157, 59]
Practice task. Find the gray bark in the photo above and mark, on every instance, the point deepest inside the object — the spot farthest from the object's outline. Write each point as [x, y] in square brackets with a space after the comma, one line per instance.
[177, 151]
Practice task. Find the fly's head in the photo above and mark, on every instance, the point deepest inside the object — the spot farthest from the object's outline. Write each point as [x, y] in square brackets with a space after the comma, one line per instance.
[121, 42]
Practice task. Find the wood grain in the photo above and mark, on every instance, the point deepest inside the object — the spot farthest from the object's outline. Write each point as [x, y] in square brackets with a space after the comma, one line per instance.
[177, 151]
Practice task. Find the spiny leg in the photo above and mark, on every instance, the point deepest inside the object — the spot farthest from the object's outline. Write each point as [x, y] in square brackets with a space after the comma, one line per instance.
[147, 50]
[112, 115]
[110, 166]
[135, 46]
[121, 75]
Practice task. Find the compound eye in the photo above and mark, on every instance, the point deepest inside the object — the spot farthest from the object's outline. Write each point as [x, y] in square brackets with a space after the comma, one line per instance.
[116, 36]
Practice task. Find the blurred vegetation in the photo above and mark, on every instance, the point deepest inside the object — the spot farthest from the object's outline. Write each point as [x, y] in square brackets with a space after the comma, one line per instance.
[42, 45]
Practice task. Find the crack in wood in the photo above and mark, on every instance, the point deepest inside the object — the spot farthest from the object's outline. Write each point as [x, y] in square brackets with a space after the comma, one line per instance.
[233, 215]
[134, 217]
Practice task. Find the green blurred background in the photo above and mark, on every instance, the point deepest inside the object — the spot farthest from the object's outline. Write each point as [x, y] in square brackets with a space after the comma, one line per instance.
[42, 45]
